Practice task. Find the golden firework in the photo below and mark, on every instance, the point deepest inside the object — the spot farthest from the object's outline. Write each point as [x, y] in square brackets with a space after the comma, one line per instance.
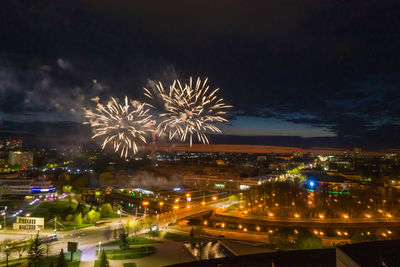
[122, 125]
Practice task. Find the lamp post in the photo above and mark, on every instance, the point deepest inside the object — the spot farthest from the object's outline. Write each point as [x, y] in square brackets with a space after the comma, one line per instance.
[175, 209]
[145, 203]
[5, 219]
[161, 205]
[188, 199]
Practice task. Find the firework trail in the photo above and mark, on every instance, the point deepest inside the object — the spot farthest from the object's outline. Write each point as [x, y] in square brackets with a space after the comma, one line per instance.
[122, 125]
[189, 110]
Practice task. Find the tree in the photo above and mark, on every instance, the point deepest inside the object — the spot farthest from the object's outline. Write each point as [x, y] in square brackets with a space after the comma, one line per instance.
[128, 227]
[149, 221]
[116, 233]
[103, 259]
[106, 209]
[136, 226]
[92, 216]
[79, 208]
[117, 208]
[154, 234]
[48, 246]
[61, 259]
[78, 219]
[67, 189]
[6, 249]
[21, 249]
[107, 233]
[35, 252]
[123, 236]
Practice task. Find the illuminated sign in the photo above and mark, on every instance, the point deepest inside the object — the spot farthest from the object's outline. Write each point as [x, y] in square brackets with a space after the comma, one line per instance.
[219, 185]
[43, 190]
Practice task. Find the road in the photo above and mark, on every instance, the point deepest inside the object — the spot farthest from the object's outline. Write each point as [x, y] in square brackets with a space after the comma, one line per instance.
[236, 217]
[88, 238]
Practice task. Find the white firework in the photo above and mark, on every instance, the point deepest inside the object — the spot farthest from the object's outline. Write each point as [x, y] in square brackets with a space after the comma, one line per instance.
[191, 110]
[122, 125]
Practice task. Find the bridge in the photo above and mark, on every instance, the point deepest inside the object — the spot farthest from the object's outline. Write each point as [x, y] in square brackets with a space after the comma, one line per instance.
[238, 218]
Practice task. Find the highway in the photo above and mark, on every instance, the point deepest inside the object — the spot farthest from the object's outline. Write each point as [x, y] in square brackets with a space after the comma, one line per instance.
[236, 217]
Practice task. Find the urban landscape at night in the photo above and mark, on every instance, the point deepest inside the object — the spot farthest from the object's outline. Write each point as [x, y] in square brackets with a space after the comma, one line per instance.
[188, 133]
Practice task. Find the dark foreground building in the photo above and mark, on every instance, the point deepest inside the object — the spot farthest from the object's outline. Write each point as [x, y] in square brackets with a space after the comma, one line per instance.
[380, 253]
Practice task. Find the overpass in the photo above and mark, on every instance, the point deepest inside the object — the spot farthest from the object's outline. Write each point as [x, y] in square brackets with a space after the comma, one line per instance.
[238, 218]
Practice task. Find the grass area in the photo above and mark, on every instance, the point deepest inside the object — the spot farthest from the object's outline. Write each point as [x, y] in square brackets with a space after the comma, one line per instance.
[49, 209]
[177, 237]
[68, 226]
[13, 262]
[53, 259]
[131, 241]
[131, 253]
[45, 262]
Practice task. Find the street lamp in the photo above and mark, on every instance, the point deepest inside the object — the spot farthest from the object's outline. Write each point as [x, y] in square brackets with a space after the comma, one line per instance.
[161, 205]
[145, 203]
[5, 222]
[175, 209]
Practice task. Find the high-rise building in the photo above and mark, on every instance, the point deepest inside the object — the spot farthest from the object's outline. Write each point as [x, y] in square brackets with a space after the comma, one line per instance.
[23, 159]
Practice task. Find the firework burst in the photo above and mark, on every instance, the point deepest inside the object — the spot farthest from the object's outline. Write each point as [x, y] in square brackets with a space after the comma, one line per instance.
[122, 125]
[190, 110]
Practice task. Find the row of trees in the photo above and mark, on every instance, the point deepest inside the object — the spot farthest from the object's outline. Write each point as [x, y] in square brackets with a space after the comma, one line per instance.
[36, 250]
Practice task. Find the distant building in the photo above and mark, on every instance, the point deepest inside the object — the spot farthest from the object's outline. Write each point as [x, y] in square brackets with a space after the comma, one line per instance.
[76, 151]
[298, 154]
[15, 188]
[391, 156]
[28, 223]
[23, 159]
[228, 183]
[13, 144]
[20, 188]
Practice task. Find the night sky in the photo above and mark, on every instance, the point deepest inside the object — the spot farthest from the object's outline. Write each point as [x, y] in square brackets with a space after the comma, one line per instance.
[301, 73]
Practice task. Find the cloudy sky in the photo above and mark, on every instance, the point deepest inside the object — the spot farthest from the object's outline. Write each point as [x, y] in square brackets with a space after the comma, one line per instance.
[314, 70]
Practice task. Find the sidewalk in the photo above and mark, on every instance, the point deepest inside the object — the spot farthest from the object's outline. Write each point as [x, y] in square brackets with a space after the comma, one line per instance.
[88, 257]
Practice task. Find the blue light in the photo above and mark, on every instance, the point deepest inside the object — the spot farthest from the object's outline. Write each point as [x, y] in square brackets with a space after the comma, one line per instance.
[311, 184]
[43, 190]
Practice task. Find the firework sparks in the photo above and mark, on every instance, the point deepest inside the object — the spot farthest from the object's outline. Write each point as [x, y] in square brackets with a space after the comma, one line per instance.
[190, 110]
[122, 125]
